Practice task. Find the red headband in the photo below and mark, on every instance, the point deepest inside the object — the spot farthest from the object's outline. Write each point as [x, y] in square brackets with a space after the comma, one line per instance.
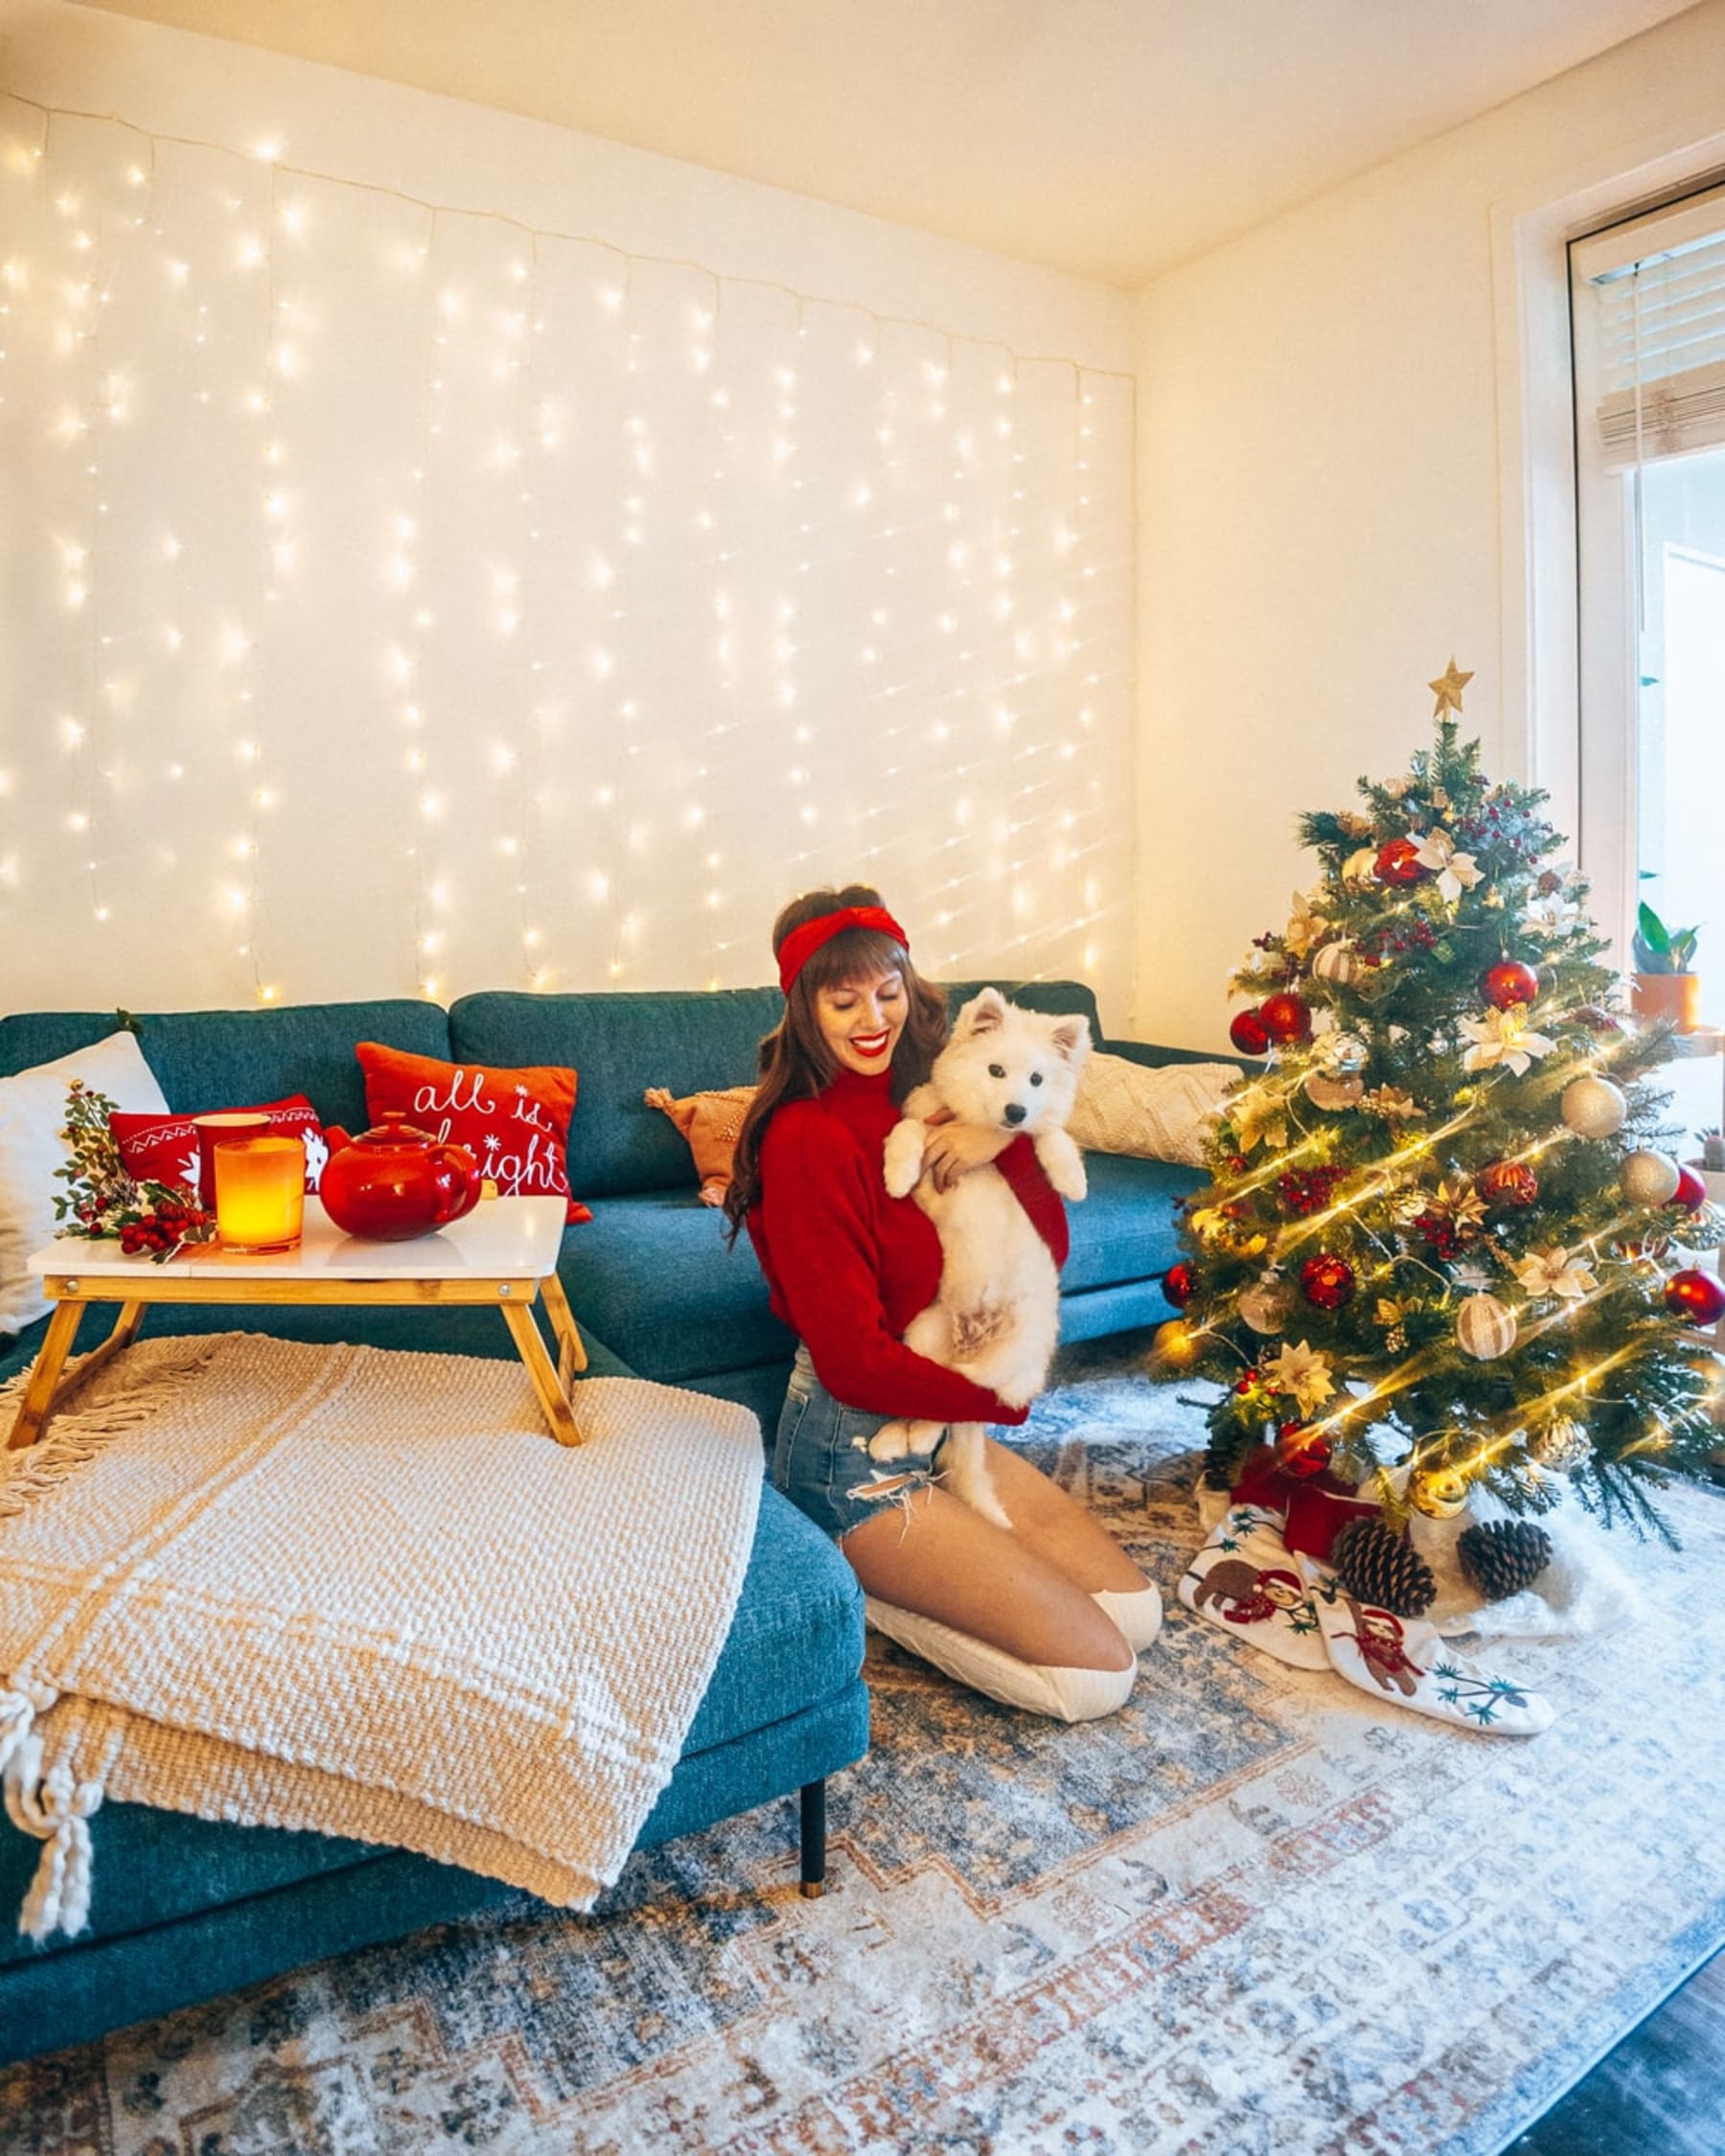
[801, 944]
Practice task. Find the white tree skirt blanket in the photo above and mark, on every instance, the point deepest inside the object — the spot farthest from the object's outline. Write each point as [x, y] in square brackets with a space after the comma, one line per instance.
[363, 1593]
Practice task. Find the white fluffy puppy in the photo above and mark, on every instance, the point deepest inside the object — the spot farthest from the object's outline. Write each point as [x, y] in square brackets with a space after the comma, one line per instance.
[998, 1314]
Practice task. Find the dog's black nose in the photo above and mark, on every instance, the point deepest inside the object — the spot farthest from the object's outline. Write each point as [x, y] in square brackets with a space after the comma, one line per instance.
[1014, 1113]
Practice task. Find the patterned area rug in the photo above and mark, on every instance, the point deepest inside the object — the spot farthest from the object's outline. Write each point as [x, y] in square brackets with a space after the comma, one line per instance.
[1251, 1911]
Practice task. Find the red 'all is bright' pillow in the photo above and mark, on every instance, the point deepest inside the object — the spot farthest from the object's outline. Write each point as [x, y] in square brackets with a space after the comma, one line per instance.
[515, 1123]
[164, 1148]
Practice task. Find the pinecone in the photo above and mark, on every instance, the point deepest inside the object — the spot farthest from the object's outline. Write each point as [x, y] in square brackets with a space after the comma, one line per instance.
[1502, 1556]
[1378, 1566]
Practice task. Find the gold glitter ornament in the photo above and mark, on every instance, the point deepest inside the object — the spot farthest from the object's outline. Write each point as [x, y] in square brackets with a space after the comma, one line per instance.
[1175, 1345]
[1361, 868]
[1648, 1179]
[1592, 1107]
[1440, 1493]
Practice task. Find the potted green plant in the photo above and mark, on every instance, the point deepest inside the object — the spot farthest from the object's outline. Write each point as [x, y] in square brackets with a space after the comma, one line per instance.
[1710, 1165]
[1666, 985]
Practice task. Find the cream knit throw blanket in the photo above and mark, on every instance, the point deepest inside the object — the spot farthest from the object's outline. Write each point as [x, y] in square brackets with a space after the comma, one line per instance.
[366, 1594]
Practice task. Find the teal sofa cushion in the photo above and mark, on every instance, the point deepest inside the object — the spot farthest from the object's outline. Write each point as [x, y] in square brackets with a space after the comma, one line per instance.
[1124, 1229]
[206, 1059]
[652, 1274]
[685, 1040]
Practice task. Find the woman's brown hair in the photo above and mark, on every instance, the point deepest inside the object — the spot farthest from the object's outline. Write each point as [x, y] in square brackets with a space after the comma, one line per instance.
[796, 1063]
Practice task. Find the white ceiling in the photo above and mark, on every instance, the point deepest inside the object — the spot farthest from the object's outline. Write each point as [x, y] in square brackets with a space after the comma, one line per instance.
[1109, 138]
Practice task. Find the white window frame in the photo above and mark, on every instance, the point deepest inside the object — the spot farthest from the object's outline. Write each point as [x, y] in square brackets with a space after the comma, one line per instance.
[1608, 575]
[1540, 616]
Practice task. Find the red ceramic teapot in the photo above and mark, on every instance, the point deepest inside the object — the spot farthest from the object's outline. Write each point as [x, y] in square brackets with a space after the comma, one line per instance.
[394, 1181]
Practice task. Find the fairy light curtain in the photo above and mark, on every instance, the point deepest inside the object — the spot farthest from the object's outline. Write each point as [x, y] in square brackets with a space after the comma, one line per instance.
[401, 599]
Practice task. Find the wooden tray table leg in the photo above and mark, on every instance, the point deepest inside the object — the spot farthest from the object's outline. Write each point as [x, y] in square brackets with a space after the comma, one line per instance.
[531, 1348]
[571, 1355]
[37, 1403]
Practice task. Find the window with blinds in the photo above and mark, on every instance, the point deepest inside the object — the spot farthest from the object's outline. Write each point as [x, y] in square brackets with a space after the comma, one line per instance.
[1657, 289]
[1647, 307]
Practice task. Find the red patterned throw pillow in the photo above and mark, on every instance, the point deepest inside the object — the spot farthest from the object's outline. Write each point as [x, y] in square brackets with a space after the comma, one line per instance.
[515, 1123]
[164, 1148]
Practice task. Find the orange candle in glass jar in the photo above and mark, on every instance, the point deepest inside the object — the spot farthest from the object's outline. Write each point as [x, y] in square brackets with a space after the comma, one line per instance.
[260, 1193]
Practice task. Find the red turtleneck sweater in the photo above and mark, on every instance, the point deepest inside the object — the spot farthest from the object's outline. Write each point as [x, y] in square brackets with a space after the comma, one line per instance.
[849, 1267]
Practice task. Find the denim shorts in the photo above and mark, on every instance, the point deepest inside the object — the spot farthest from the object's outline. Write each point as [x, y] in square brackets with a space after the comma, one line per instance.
[821, 1458]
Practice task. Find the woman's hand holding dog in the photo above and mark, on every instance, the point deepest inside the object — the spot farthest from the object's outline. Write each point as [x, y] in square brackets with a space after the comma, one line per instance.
[951, 1150]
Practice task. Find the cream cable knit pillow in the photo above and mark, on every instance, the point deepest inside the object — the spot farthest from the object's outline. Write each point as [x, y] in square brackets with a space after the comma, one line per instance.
[1153, 1113]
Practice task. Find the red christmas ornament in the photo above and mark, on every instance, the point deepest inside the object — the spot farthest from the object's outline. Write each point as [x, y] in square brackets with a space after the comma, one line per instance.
[1690, 1193]
[1326, 1280]
[1247, 1381]
[1180, 1284]
[1302, 1450]
[1508, 983]
[1286, 1017]
[1249, 1033]
[1696, 1295]
[1507, 1182]
[1398, 862]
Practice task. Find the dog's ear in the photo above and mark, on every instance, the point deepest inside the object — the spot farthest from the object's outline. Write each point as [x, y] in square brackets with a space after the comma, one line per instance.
[1071, 1036]
[983, 1014]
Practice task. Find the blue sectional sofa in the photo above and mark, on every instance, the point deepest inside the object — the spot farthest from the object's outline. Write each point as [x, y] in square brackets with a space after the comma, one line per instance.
[185, 1909]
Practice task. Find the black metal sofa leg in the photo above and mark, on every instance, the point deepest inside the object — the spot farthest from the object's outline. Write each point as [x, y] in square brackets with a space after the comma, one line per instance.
[814, 1839]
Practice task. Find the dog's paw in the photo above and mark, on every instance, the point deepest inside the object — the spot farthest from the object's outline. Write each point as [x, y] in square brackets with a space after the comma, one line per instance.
[1062, 1165]
[903, 1159]
[891, 1441]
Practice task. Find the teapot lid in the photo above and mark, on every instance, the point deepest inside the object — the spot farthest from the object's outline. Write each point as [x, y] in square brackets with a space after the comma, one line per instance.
[392, 1128]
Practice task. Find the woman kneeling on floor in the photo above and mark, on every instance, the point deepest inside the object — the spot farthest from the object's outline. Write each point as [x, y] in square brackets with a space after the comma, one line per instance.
[1047, 1614]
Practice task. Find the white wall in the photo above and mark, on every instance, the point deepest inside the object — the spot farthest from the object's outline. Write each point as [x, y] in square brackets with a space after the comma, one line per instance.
[389, 601]
[1331, 470]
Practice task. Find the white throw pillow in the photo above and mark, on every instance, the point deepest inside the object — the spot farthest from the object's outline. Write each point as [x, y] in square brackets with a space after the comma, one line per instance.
[32, 1113]
[1155, 1113]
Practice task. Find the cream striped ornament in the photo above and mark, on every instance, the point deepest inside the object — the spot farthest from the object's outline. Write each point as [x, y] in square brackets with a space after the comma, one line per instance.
[1336, 962]
[1485, 1328]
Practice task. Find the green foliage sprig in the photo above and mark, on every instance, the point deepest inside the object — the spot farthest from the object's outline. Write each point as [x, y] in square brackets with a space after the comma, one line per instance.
[103, 1202]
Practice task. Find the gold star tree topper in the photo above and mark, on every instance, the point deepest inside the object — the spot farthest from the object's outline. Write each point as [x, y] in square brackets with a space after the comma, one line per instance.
[1448, 688]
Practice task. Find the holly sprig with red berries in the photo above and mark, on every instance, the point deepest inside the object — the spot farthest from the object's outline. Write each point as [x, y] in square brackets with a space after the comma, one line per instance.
[102, 1202]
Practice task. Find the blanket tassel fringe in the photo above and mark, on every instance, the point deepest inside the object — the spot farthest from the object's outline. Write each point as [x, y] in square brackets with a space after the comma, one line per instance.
[74, 1437]
[53, 1807]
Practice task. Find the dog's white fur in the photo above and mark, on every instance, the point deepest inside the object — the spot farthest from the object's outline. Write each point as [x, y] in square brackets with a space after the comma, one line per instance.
[998, 1312]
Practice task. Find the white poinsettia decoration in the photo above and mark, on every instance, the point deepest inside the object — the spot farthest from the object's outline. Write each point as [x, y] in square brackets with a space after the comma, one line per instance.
[1503, 1037]
[1305, 1371]
[1306, 926]
[1454, 872]
[1555, 1273]
[1259, 1115]
[1551, 917]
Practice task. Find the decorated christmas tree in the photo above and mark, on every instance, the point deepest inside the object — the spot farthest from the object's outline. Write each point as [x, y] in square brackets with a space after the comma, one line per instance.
[1444, 1245]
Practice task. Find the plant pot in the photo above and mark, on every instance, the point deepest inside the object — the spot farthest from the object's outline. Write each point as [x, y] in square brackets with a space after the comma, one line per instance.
[1668, 995]
[1713, 1178]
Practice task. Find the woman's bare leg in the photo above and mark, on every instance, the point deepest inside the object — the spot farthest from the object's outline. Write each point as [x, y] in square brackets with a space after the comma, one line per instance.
[1060, 1531]
[938, 1558]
